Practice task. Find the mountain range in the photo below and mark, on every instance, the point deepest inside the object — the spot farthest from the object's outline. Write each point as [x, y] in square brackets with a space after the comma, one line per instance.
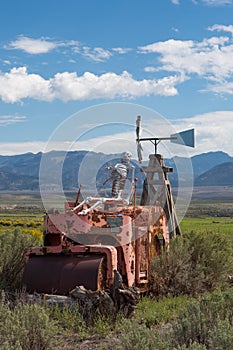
[21, 172]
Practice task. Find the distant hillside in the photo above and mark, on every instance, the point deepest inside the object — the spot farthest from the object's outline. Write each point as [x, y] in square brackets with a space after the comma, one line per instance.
[205, 161]
[21, 172]
[22, 164]
[220, 175]
[202, 162]
[15, 182]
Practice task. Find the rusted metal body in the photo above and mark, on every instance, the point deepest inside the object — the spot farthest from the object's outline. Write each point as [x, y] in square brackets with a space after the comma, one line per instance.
[85, 250]
[85, 247]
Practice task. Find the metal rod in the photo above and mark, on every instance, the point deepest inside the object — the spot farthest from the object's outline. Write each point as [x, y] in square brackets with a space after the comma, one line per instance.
[156, 138]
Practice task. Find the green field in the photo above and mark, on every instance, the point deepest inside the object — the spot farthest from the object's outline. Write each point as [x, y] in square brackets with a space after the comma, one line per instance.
[208, 216]
[26, 210]
[207, 224]
[22, 212]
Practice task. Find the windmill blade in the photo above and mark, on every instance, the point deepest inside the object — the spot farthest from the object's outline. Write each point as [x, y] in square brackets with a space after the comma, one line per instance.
[139, 146]
[139, 151]
[138, 126]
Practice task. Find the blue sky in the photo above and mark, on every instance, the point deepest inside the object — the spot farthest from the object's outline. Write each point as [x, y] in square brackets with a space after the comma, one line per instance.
[58, 57]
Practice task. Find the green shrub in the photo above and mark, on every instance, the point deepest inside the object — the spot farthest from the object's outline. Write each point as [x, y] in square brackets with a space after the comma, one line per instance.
[12, 248]
[208, 322]
[102, 325]
[69, 319]
[25, 327]
[222, 337]
[151, 312]
[193, 346]
[170, 270]
[204, 324]
[211, 257]
[138, 337]
[195, 263]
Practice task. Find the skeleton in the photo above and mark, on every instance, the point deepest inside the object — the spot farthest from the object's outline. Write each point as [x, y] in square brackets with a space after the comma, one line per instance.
[119, 175]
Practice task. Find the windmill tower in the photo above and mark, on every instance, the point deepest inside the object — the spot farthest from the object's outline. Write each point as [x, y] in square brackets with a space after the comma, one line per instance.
[157, 187]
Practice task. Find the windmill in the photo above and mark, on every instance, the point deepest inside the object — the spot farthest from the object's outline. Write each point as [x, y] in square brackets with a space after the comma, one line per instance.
[157, 187]
[185, 138]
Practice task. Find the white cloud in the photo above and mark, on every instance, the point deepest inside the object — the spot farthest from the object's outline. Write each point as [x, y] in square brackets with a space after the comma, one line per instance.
[18, 84]
[175, 2]
[33, 46]
[211, 58]
[6, 62]
[11, 119]
[105, 144]
[12, 148]
[121, 50]
[213, 2]
[213, 130]
[150, 69]
[217, 2]
[226, 88]
[69, 86]
[97, 54]
[109, 85]
[39, 46]
[45, 45]
[221, 28]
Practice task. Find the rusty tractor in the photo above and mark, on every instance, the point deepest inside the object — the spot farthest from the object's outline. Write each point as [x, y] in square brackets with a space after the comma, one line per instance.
[97, 236]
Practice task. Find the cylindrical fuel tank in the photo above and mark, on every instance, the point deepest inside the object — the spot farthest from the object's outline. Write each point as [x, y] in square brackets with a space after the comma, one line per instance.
[59, 274]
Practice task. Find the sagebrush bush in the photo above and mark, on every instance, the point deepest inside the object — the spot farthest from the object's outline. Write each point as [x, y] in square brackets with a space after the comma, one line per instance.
[195, 263]
[152, 313]
[138, 337]
[222, 337]
[207, 321]
[25, 327]
[193, 346]
[202, 324]
[12, 248]
[69, 318]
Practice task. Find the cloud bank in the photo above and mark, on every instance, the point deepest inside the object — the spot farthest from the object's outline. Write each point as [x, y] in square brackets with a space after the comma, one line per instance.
[69, 86]
[213, 132]
[210, 59]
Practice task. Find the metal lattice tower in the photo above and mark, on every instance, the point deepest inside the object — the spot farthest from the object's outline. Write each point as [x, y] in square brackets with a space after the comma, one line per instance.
[157, 190]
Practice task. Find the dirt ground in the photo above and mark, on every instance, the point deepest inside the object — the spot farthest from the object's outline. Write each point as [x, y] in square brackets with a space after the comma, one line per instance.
[93, 343]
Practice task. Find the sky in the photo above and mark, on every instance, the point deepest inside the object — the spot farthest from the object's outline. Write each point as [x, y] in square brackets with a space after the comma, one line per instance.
[59, 58]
